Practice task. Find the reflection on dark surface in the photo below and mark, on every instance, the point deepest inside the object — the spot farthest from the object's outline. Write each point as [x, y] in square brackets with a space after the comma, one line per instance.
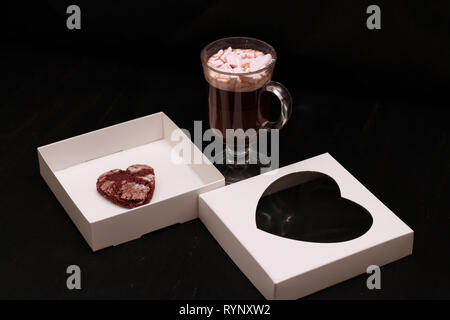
[312, 210]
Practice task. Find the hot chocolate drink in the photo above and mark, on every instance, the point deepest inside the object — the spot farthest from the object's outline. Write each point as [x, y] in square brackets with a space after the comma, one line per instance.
[236, 80]
[238, 72]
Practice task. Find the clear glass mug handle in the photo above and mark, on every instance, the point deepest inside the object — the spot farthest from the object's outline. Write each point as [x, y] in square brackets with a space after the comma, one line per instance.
[286, 104]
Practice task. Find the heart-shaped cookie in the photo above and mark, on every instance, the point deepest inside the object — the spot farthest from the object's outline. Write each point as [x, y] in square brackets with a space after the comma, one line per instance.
[312, 210]
[130, 188]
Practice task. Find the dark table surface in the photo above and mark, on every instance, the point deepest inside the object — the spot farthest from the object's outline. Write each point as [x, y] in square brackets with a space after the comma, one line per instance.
[398, 147]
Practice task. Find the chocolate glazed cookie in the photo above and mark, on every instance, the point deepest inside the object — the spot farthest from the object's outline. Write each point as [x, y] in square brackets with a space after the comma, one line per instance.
[131, 188]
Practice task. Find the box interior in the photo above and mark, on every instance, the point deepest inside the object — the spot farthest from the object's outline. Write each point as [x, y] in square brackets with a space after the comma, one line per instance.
[145, 140]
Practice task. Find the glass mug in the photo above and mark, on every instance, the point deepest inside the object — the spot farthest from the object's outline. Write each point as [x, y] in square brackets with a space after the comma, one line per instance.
[240, 100]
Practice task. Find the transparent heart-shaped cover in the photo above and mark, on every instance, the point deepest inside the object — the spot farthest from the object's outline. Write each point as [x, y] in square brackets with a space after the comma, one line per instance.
[308, 206]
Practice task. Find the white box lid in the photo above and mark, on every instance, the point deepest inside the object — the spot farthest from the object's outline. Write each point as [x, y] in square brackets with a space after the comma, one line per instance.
[232, 209]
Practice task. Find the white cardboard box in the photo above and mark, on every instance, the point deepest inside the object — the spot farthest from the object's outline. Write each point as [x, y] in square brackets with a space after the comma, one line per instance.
[283, 268]
[71, 168]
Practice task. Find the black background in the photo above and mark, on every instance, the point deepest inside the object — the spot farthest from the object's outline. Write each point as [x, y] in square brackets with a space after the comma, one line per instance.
[376, 100]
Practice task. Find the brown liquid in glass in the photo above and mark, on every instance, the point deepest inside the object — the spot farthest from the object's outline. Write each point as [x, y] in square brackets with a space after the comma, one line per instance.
[237, 110]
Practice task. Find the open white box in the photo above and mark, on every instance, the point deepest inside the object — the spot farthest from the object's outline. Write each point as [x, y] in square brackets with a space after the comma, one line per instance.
[288, 269]
[71, 168]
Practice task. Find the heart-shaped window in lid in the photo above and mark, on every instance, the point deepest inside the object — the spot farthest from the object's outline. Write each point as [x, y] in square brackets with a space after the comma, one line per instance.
[308, 206]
